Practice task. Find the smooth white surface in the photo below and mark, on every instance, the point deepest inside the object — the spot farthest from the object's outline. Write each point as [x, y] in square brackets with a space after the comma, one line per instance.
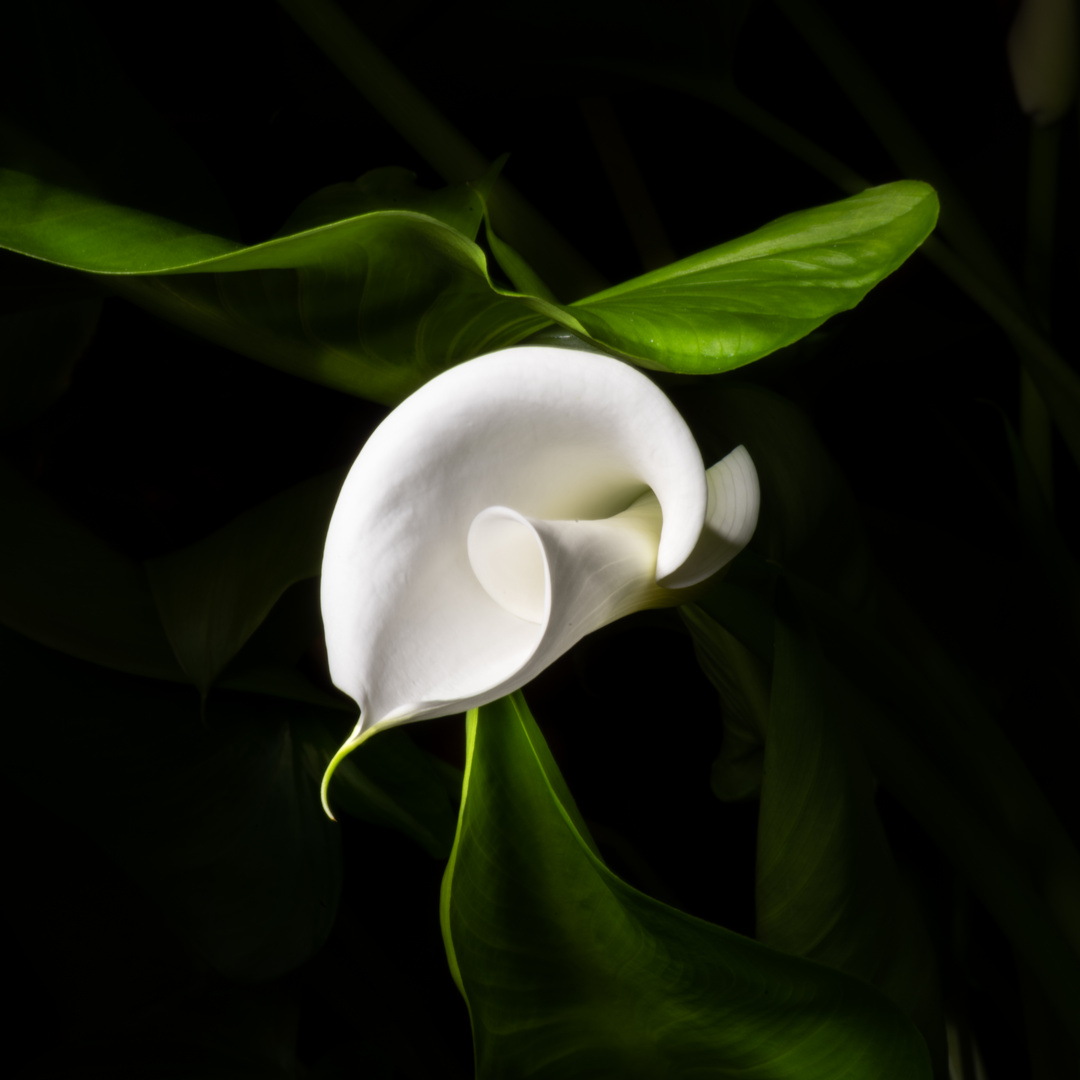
[509, 507]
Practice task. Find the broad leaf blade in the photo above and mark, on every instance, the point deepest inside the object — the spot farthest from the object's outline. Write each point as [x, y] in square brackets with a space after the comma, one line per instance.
[569, 972]
[376, 304]
[736, 303]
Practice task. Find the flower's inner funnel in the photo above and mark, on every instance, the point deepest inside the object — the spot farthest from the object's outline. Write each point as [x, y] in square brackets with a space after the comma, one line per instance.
[508, 560]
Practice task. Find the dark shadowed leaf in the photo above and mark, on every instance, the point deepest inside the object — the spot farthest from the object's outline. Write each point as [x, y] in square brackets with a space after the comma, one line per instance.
[47, 318]
[742, 681]
[38, 350]
[217, 819]
[63, 586]
[828, 887]
[1042, 534]
[809, 522]
[568, 972]
[213, 595]
[69, 114]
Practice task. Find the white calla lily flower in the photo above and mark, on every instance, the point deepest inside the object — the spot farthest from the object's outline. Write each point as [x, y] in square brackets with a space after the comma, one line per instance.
[506, 509]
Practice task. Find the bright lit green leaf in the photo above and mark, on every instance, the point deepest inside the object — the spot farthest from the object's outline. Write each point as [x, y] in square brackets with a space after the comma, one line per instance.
[376, 304]
[568, 972]
[738, 302]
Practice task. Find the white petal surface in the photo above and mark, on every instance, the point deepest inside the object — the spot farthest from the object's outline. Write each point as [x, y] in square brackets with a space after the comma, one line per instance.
[734, 500]
[509, 507]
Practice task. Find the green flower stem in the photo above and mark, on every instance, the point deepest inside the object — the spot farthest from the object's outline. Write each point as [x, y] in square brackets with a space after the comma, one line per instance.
[442, 145]
[1035, 430]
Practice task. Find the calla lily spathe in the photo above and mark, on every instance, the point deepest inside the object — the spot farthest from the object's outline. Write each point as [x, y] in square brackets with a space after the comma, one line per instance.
[509, 507]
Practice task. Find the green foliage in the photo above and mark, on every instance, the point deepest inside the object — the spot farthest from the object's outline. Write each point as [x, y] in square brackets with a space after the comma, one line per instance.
[66, 588]
[828, 888]
[215, 821]
[351, 288]
[569, 972]
[890, 755]
[211, 597]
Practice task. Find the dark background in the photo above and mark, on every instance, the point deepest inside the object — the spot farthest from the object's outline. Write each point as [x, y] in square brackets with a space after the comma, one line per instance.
[162, 437]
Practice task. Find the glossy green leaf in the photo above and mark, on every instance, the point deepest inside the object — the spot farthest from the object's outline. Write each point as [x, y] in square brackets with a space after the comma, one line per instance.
[568, 972]
[65, 587]
[373, 304]
[218, 820]
[738, 302]
[213, 595]
[377, 303]
[827, 885]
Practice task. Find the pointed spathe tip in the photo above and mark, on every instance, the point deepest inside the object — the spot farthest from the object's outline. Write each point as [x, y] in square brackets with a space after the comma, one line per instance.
[347, 748]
